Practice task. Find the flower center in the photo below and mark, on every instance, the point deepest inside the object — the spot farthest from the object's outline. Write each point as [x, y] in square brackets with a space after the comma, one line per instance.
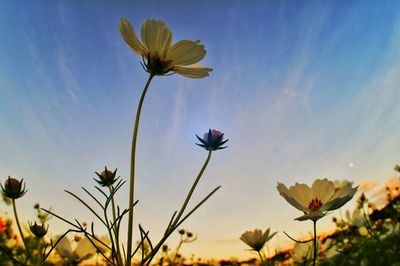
[315, 204]
[157, 66]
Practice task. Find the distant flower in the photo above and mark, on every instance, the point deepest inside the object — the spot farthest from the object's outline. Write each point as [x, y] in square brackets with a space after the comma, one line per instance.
[13, 188]
[2, 226]
[38, 230]
[106, 178]
[160, 56]
[302, 252]
[256, 239]
[83, 250]
[356, 219]
[397, 168]
[212, 140]
[316, 201]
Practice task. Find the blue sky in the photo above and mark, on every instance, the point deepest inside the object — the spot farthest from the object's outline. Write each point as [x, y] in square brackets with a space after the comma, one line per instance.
[303, 90]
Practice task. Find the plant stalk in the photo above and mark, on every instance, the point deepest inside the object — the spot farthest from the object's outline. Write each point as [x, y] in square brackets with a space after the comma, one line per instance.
[132, 172]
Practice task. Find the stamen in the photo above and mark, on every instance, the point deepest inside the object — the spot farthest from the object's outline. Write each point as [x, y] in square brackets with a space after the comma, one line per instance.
[315, 204]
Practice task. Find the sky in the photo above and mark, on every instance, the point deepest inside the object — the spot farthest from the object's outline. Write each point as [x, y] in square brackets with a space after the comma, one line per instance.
[302, 89]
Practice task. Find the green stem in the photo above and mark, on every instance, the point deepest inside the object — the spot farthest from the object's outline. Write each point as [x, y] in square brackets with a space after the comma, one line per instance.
[315, 244]
[118, 251]
[192, 190]
[176, 222]
[18, 225]
[132, 173]
[261, 258]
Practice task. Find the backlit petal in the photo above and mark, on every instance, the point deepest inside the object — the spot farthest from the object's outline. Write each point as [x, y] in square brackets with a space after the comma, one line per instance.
[302, 193]
[323, 189]
[185, 53]
[284, 192]
[194, 71]
[156, 36]
[129, 35]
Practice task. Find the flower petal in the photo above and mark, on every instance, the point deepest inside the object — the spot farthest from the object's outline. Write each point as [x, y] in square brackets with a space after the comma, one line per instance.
[284, 192]
[311, 216]
[323, 189]
[193, 71]
[64, 247]
[129, 35]
[85, 248]
[302, 193]
[156, 37]
[185, 53]
[337, 202]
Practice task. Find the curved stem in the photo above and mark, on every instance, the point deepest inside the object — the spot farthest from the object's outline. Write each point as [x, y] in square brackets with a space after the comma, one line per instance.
[192, 189]
[18, 224]
[132, 172]
[177, 251]
[177, 222]
[315, 244]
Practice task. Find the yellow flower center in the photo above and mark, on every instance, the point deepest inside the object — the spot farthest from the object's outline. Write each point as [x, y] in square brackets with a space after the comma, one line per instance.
[315, 204]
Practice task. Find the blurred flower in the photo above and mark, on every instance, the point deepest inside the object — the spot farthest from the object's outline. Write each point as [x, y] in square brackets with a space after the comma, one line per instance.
[302, 252]
[2, 225]
[106, 178]
[397, 168]
[83, 250]
[256, 239]
[356, 219]
[316, 201]
[102, 244]
[13, 188]
[212, 140]
[38, 230]
[159, 55]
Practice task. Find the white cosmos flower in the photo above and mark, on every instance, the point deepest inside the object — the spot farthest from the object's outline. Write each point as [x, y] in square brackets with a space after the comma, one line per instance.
[83, 250]
[158, 52]
[256, 239]
[317, 200]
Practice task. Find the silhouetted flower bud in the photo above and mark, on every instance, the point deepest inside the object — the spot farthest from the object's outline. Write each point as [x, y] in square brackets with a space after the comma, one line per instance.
[107, 178]
[38, 230]
[212, 140]
[13, 188]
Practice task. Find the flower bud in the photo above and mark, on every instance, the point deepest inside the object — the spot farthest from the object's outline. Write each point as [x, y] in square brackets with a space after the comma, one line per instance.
[13, 188]
[212, 140]
[38, 230]
[107, 178]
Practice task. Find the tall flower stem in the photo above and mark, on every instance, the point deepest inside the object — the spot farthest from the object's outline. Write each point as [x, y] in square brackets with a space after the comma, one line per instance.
[18, 225]
[315, 244]
[132, 172]
[118, 251]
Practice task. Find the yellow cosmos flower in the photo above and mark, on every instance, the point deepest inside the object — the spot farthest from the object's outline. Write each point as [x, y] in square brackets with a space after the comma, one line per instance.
[159, 54]
[317, 200]
[256, 239]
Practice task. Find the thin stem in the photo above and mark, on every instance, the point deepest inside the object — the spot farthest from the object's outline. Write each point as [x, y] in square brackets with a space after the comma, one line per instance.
[18, 225]
[132, 172]
[177, 251]
[315, 244]
[192, 189]
[261, 258]
[119, 258]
